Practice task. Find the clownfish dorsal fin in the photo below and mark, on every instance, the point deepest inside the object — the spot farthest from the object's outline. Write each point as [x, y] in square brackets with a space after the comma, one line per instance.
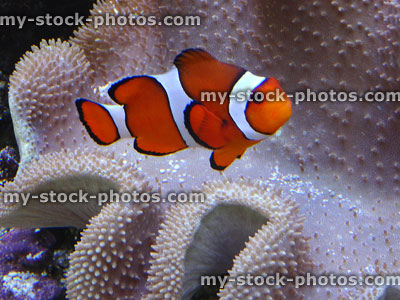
[98, 122]
[204, 126]
[200, 72]
[125, 90]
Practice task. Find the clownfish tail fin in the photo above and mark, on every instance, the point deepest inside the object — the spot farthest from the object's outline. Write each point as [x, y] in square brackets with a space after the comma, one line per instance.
[97, 121]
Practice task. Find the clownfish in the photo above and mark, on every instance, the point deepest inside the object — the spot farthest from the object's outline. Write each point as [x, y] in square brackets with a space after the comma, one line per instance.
[167, 113]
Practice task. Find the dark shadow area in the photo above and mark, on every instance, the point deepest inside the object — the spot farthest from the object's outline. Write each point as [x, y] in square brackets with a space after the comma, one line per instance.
[15, 42]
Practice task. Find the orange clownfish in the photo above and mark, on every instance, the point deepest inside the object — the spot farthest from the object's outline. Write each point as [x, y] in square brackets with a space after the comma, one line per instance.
[168, 112]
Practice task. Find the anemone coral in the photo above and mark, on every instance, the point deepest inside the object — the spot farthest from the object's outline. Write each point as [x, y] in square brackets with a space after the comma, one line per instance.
[241, 227]
[88, 173]
[111, 259]
[371, 293]
[318, 45]
[141, 48]
[55, 79]
[338, 160]
[353, 143]
[350, 147]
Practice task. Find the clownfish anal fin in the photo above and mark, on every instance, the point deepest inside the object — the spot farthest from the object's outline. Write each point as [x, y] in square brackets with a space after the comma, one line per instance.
[97, 121]
[201, 72]
[204, 126]
[221, 158]
[147, 147]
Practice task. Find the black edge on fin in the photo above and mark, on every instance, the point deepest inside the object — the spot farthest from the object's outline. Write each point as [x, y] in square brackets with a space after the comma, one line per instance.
[178, 58]
[115, 85]
[214, 164]
[140, 150]
[78, 103]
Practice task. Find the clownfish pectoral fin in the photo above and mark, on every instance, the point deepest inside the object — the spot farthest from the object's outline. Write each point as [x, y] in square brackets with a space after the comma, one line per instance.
[200, 72]
[204, 126]
[221, 158]
[98, 122]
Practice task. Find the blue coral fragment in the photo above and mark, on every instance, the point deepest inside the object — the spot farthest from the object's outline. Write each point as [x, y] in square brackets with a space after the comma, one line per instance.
[8, 163]
[25, 255]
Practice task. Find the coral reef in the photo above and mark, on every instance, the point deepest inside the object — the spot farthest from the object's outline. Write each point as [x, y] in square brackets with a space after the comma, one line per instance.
[8, 163]
[25, 255]
[338, 161]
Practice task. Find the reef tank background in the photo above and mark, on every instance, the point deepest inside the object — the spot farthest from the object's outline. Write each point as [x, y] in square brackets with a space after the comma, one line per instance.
[322, 195]
[33, 261]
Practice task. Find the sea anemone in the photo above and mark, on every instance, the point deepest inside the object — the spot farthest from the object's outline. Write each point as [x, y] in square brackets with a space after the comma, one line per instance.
[241, 227]
[66, 173]
[112, 258]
